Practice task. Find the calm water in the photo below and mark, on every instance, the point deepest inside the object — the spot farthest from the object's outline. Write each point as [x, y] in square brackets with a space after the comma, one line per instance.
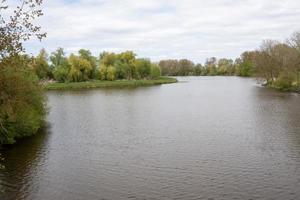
[202, 138]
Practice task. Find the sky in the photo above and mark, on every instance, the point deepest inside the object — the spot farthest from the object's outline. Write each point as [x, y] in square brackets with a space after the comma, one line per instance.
[166, 29]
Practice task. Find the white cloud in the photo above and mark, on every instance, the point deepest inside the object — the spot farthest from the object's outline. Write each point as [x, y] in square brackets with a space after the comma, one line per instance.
[193, 29]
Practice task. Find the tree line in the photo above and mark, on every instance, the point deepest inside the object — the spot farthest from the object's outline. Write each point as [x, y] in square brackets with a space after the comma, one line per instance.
[84, 66]
[213, 67]
[274, 63]
[242, 66]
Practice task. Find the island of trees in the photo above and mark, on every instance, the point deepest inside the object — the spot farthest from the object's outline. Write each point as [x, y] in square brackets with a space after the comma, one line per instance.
[85, 67]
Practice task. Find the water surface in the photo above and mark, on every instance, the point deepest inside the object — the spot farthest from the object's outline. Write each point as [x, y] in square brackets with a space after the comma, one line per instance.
[201, 138]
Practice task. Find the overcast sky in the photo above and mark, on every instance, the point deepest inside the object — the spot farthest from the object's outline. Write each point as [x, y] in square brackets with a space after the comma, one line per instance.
[159, 29]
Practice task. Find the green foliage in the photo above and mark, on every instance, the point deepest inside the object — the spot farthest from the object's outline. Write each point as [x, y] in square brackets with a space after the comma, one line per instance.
[124, 66]
[59, 65]
[21, 97]
[103, 72]
[111, 73]
[128, 59]
[58, 58]
[245, 64]
[86, 54]
[197, 70]
[143, 67]
[80, 69]
[21, 101]
[122, 70]
[109, 84]
[60, 73]
[41, 66]
[245, 69]
[285, 82]
[225, 67]
[155, 71]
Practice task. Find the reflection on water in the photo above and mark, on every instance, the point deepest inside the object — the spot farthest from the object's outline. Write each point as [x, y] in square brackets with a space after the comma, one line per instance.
[205, 137]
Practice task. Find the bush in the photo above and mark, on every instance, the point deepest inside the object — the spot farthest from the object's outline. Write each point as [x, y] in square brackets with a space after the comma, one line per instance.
[284, 82]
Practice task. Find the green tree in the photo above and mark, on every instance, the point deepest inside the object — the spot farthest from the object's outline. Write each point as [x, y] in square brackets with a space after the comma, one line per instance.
[155, 71]
[80, 69]
[143, 67]
[111, 73]
[225, 67]
[59, 65]
[87, 55]
[245, 64]
[197, 70]
[128, 59]
[211, 66]
[21, 97]
[41, 66]
[122, 70]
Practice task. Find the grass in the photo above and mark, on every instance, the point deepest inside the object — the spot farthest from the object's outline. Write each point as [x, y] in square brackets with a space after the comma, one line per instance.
[108, 84]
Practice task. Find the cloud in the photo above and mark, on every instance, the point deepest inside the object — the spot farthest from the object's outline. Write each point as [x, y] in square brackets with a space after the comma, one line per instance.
[157, 29]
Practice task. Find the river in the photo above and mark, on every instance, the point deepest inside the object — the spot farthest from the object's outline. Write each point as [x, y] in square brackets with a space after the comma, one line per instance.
[201, 138]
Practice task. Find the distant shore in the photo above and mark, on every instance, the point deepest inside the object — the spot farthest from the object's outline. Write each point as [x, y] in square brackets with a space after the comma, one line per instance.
[108, 84]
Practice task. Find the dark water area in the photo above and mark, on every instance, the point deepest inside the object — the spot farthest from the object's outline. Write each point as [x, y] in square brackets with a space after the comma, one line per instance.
[201, 138]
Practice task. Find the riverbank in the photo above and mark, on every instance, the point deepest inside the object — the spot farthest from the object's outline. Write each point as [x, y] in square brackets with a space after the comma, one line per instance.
[284, 88]
[108, 84]
[290, 89]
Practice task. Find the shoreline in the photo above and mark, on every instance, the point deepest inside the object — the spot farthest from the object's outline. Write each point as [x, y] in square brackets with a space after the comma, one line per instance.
[108, 84]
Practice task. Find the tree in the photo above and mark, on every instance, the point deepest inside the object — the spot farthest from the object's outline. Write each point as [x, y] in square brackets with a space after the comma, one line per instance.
[211, 66]
[111, 73]
[225, 67]
[18, 27]
[197, 70]
[86, 54]
[278, 63]
[155, 71]
[21, 98]
[59, 65]
[58, 58]
[122, 69]
[143, 67]
[294, 42]
[245, 64]
[128, 59]
[80, 69]
[41, 66]
[103, 72]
